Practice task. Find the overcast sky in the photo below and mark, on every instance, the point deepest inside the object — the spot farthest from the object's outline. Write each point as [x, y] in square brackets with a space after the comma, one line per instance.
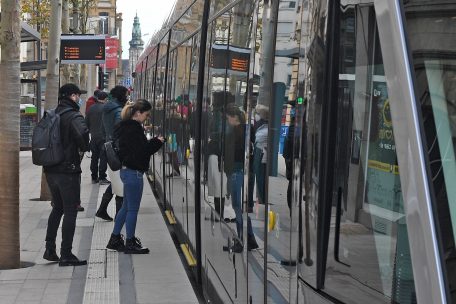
[151, 15]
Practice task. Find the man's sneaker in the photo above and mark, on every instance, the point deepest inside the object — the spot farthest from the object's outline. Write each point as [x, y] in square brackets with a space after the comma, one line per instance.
[51, 255]
[79, 208]
[134, 246]
[71, 260]
[104, 181]
[116, 242]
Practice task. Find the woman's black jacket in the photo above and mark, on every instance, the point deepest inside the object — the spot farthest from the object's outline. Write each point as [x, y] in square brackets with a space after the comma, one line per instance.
[134, 148]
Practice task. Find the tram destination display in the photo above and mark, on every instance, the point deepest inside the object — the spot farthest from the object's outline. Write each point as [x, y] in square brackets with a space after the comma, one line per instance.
[82, 49]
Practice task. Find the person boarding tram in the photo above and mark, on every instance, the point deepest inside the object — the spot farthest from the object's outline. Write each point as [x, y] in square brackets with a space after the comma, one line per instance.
[135, 151]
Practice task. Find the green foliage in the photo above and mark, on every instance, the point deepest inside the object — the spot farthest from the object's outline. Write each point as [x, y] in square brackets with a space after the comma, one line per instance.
[37, 13]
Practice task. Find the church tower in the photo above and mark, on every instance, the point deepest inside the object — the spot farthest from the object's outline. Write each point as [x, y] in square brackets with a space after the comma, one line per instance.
[136, 44]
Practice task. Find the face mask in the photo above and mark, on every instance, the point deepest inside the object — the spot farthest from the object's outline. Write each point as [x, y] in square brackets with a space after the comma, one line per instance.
[80, 102]
[257, 117]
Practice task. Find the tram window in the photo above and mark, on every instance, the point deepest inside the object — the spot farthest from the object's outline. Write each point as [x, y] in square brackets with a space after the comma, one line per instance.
[431, 39]
[368, 256]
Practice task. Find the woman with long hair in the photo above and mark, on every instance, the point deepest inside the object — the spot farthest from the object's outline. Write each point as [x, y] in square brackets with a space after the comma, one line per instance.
[135, 151]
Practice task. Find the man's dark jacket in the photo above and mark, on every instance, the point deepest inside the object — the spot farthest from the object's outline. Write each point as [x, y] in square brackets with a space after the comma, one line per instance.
[75, 138]
[95, 123]
[134, 148]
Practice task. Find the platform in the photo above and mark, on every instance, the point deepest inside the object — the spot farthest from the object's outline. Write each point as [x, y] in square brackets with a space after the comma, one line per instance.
[109, 277]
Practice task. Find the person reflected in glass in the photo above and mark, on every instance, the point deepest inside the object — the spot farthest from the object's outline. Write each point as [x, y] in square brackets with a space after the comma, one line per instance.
[234, 167]
[175, 121]
[259, 151]
[216, 187]
[288, 155]
[135, 151]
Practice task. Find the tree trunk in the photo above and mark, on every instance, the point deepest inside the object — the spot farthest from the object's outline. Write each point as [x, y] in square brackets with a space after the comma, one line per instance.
[52, 75]
[269, 23]
[240, 34]
[10, 37]
[65, 30]
[75, 71]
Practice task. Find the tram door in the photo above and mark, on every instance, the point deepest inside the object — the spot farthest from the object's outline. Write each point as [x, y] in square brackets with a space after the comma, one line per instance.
[272, 104]
[355, 245]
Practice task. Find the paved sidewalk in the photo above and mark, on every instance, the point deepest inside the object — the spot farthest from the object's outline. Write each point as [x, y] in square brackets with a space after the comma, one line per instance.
[158, 277]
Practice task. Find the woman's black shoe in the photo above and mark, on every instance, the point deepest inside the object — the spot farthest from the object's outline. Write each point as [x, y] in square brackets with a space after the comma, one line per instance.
[51, 255]
[134, 246]
[71, 260]
[251, 243]
[116, 242]
[237, 246]
[104, 215]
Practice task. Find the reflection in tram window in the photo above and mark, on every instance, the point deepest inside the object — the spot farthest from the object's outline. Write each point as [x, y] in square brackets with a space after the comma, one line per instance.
[289, 196]
[368, 257]
[433, 50]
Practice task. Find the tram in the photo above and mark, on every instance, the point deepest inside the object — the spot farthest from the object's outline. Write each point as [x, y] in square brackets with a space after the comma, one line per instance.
[310, 147]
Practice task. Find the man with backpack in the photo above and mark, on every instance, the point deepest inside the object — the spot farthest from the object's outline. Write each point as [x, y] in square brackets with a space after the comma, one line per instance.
[64, 177]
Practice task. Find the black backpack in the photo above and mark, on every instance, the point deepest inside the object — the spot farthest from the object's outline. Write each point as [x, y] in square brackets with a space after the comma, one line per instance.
[47, 146]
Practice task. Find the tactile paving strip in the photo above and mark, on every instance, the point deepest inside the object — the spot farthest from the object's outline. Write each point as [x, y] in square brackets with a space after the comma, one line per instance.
[102, 283]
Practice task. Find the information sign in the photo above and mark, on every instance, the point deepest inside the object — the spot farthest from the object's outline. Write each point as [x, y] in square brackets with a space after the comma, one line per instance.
[82, 49]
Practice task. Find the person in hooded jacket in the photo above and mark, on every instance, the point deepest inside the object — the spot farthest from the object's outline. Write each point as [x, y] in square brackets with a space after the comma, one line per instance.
[111, 117]
[135, 151]
[64, 178]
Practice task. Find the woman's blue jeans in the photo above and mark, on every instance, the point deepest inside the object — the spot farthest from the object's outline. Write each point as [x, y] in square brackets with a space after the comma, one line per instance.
[128, 214]
[235, 183]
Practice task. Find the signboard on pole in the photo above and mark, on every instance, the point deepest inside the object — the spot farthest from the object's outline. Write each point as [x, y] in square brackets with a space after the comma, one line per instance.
[82, 49]
[234, 59]
[112, 45]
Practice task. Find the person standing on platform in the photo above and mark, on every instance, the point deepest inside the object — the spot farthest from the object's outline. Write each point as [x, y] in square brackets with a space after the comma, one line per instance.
[64, 179]
[135, 151]
[110, 117]
[92, 100]
[98, 163]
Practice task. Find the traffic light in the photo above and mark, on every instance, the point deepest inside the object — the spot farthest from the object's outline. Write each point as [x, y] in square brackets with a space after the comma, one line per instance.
[100, 79]
[103, 79]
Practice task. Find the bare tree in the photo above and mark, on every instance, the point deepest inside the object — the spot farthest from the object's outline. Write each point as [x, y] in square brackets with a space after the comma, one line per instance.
[10, 37]
[52, 74]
